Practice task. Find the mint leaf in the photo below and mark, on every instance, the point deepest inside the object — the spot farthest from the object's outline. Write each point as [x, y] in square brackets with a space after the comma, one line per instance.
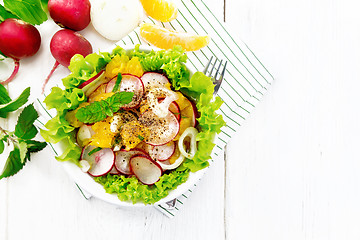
[2, 146]
[30, 11]
[13, 164]
[16, 104]
[119, 99]
[35, 146]
[117, 83]
[25, 128]
[5, 14]
[98, 111]
[4, 96]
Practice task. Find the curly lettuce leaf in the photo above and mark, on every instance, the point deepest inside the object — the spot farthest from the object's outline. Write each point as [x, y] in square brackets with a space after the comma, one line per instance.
[200, 87]
[172, 62]
[131, 189]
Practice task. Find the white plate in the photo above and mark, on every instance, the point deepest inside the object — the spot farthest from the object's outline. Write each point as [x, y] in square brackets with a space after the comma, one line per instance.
[87, 183]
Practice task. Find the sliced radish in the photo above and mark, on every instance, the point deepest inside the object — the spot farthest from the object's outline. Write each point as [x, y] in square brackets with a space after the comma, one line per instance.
[129, 83]
[161, 109]
[153, 80]
[145, 169]
[84, 134]
[84, 165]
[162, 130]
[114, 171]
[101, 162]
[162, 152]
[195, 115]
[84, 84]
[144, 147]
[174, 108]
[122, 160]
[92, 97]
[168, 166]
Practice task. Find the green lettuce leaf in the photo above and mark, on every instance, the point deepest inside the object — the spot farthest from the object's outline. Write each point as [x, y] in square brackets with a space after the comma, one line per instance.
[130, 189]
[172, 62]
[201, 88]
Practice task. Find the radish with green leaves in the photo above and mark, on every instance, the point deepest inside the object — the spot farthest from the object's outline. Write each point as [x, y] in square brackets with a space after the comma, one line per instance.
[64, 45]
[73, 14]
[18, 40]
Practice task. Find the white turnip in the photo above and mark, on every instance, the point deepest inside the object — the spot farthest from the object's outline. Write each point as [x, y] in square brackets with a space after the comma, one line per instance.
[18, 40]
[73, 14]
[64, 45]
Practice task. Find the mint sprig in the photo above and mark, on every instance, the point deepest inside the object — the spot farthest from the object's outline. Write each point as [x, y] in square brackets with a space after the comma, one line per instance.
[11, 106]
[21, 138]
[98, 111]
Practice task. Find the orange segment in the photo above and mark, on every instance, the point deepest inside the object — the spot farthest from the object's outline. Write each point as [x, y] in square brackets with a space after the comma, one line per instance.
[122, 64]
[166, 38]
[161, 10]
[103, 136]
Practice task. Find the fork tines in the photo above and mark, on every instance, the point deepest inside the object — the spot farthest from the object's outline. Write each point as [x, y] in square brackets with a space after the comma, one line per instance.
[219, 74]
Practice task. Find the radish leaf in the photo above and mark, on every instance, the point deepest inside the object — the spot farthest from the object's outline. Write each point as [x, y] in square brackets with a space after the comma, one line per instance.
[5, 14]
[30, 11]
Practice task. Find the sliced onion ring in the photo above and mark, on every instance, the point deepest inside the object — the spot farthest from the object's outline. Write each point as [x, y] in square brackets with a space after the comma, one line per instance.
[189, 132]
[174, 165]
[161, 109]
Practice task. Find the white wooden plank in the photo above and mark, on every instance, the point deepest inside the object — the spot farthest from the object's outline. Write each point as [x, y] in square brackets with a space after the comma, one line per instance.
[295, 165]
[3, 191]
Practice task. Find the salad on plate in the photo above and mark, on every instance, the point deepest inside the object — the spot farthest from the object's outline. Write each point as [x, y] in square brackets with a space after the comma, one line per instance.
[137, 121]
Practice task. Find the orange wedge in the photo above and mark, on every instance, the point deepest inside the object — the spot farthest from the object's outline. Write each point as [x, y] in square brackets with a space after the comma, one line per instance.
[166, 38]
[161, 10]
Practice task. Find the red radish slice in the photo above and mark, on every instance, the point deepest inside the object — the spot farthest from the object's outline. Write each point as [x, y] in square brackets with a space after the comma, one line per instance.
[161, 109]
[129, 83]
[86, 83]
[114, 171]
[153, 80]
[162, 130]
[84, 134]
[145, 169]
[122, 160]
[195, 115]
[101, 162]
[174, 108]
[162, 152]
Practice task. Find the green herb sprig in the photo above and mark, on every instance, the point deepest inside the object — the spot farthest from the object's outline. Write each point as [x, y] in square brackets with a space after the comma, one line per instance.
[22, 137]
[98, 111]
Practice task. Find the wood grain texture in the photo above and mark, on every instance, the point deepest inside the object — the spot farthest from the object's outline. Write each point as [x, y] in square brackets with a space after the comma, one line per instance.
[293, 169]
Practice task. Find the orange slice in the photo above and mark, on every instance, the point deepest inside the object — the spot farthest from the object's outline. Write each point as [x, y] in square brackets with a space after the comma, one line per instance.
[166, 38]
[122, 64]
[161, 10]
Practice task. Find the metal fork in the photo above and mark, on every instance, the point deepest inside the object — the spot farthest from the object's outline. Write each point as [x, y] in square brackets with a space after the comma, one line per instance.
[219, 76]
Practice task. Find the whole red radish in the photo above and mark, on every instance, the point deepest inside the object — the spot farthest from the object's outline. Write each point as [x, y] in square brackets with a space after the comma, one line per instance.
[73, 14]
[64, 45]
[18, 40]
